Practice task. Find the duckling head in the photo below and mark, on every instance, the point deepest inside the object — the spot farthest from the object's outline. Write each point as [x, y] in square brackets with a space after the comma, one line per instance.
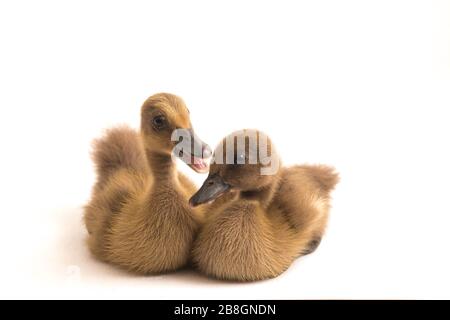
[244, 161]
[166, 129]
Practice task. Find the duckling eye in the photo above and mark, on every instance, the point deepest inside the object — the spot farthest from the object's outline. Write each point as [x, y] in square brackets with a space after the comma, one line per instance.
[159, 122]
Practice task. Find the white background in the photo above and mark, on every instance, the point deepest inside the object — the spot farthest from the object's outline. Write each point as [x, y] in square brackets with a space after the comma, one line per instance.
[360, 85]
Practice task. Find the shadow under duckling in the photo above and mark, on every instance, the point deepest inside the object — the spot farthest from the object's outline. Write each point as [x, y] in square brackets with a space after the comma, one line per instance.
[265, 216]
[138, 217]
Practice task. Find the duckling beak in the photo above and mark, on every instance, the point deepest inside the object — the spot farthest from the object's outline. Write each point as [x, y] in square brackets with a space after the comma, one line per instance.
[198, 153]
[212, 188]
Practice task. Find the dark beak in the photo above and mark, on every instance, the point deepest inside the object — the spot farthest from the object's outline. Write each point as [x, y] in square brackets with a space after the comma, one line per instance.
[199, 148]
[212, 188]
[193, 151]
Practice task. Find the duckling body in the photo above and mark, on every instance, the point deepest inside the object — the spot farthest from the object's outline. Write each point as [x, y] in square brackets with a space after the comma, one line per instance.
[267, 223]
[139, 217]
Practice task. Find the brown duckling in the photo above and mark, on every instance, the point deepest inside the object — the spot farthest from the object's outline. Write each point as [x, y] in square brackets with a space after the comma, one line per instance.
[267, 216]
[139, 217]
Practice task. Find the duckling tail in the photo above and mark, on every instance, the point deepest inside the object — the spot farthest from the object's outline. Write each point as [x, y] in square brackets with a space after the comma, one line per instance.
[325, 176]
[119, 148]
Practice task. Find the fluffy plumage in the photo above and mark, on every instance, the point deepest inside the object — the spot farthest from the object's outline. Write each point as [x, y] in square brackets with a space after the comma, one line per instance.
[265, 222]
[138, 217]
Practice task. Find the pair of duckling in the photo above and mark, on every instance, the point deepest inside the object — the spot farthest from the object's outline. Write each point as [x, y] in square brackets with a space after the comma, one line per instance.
[147, 217]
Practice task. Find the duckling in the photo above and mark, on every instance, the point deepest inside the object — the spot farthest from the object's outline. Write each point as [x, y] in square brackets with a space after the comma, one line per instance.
[271, 214]
[138, 217]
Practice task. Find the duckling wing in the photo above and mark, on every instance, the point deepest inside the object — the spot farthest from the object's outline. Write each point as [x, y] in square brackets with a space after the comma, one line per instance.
[119, 148]
[324, 177]
[303, 201]
[121, 172]
[309, 179]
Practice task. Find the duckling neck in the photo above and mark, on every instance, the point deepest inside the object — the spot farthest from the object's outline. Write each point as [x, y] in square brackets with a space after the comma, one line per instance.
[161, 165]
[263, 195]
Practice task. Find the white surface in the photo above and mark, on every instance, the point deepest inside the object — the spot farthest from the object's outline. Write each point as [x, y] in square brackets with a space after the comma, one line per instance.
[361, 85]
